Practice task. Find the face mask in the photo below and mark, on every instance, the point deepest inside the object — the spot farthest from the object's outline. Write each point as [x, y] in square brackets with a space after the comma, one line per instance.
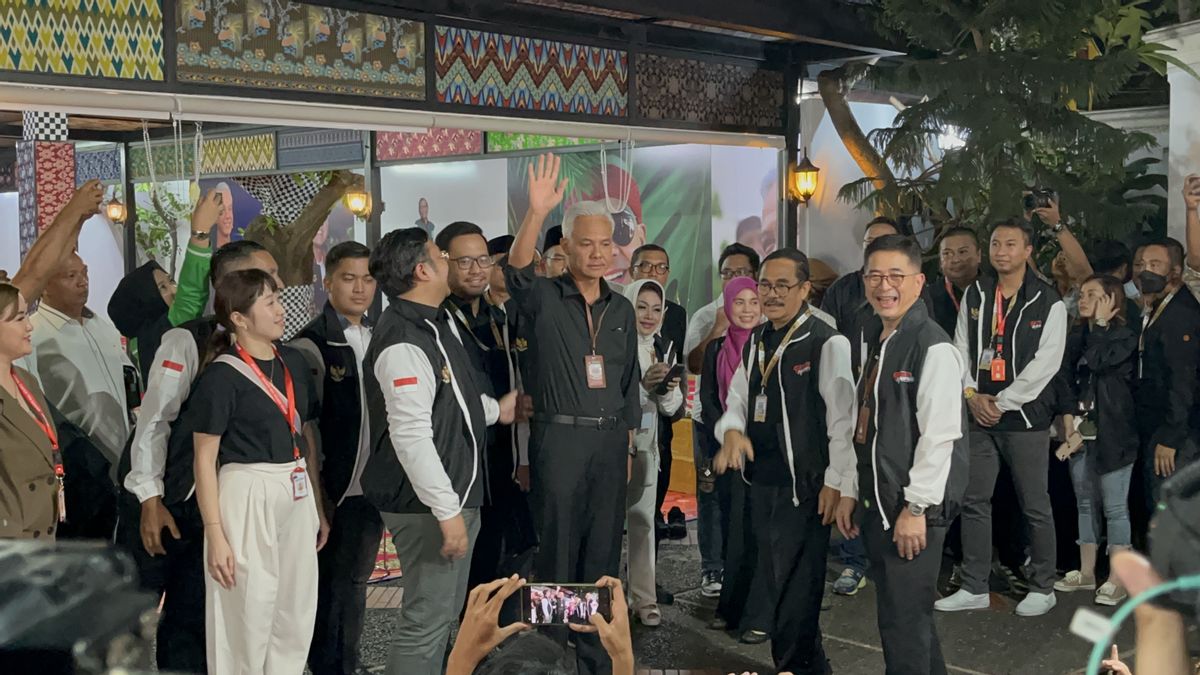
[1131, 291]
[1152, 283]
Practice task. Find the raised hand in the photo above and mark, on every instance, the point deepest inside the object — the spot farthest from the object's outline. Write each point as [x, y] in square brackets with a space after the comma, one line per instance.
[545, 189]
[208, 210]
[86, 201]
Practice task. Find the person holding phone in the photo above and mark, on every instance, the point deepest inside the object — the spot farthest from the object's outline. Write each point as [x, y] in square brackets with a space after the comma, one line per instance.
[659, 395]
[1101, 445]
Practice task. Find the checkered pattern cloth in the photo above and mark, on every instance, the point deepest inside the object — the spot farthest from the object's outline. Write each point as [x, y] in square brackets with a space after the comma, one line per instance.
[298, 309]
[283, 196]
[43, 126]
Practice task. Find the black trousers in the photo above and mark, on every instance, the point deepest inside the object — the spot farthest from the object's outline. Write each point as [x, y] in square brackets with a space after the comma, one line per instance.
[904, 592]
[152, 570]
[181, 625]
[792, 545]
[744, 602]
[344, 566]
[578, 485]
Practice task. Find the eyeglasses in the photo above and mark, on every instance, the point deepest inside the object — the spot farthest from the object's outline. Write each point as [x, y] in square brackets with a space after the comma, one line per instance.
[555, 258]
[464, 263]
[735, 273]
[894, 280]
[647, 267]
[767, 288]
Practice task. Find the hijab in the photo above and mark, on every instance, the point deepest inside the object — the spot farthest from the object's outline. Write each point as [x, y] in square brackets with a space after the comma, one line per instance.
[730, 356]
[138, 311]
[646, 355]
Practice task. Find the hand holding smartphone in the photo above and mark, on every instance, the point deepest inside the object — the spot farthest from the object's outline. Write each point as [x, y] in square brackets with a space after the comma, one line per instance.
[561, 604]
[674, 373]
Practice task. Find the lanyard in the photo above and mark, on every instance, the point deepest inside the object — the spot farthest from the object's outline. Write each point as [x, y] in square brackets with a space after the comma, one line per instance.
[1148, 320]
[462, 320]
[288, 409]
[43, 423]
[1000, 318]
[953, 298]
[593, 331]
[765, 369]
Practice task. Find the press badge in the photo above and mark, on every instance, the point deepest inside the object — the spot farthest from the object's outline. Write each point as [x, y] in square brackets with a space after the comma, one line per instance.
[593, 367]
[985, 358]
[997, 370]
[299, 484]
[760, 408]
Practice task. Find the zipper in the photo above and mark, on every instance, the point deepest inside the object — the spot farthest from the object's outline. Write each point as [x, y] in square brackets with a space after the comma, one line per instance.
[875, 441]
[787, 430]
[466, 415]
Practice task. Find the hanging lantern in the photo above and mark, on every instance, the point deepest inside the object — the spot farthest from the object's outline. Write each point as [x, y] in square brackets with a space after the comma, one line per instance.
[115, 210]
[358, 202]
[802, 178]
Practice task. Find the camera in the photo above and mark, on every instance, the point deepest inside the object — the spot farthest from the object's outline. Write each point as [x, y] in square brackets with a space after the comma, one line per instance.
[1040, 198]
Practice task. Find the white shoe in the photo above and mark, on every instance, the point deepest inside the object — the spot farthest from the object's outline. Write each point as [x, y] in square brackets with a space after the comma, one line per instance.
[1036, 604]
[962, 600]
[1110, 595]
[1075, 581]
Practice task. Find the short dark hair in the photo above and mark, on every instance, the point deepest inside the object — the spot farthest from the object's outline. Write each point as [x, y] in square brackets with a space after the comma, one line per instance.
[1013, 224]
[646, 248]
[897, 243]
[739, 249]
[882, 220]
[525, 654]
[459, 228]
[394, 261]
[795, 255]
[960, 231]
[229, 254]
[347, 250]
[1175, 250]
[1108, 255]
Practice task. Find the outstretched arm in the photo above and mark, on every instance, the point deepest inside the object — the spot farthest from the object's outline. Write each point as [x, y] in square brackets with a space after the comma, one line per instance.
[545, 192]
[47, 255]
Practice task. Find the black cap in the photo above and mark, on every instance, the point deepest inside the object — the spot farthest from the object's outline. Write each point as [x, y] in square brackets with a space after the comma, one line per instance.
[553, 236]
[500, 245]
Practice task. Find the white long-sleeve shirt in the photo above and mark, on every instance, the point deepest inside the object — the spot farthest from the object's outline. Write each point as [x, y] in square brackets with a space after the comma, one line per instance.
[170, 382]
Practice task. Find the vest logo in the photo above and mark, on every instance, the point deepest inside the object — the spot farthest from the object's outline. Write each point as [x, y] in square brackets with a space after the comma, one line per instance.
[521, 344]
[902, 377]
[802, 368]
[1035, 325]
[337, 373]
[974, 313]
[446, 374]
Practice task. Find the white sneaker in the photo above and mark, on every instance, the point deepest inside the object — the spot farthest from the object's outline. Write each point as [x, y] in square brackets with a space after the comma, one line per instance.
[1075, 581]
[1110, 595]
[962, 600]
[1036, 604]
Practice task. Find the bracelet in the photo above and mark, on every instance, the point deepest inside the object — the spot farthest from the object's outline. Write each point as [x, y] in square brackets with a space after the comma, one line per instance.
[197, 234]
[213, 524]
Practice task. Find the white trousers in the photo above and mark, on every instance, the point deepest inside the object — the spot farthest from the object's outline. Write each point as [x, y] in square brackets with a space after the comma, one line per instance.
[264, 624]
[639, 506]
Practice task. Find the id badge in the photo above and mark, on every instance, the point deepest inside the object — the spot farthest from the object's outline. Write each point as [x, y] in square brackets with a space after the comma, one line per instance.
[649, 419]
[985, 358]
[760, 408]
[62, 503]
[860, 429]
[299, 484]
[997, 370]
[593, 367]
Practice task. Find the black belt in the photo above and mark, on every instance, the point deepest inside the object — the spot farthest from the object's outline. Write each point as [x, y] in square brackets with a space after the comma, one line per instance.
[600, 423]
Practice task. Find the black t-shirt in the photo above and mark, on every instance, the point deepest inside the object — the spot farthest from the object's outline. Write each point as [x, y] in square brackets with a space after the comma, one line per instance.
[226, 403]
[1011, 308]
[770, 465]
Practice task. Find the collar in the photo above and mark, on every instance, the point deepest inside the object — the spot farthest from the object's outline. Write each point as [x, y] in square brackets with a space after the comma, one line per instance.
[414, 311]
[455, 302]
[802, 316]
[566, 286]
[57, 319]
[336, 322]
[915, 314]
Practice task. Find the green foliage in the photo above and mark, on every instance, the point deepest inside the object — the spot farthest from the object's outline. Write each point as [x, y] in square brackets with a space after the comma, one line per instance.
[1010, 75]
[155, 232]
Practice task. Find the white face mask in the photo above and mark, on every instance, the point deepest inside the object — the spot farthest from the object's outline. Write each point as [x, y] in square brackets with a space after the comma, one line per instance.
[1131, 291]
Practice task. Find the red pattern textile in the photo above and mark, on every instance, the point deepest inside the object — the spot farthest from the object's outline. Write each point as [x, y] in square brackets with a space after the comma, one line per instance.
[437, 142]
[54, 167]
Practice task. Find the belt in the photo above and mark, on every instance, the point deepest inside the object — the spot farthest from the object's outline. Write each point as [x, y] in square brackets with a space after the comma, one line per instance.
[600, 423]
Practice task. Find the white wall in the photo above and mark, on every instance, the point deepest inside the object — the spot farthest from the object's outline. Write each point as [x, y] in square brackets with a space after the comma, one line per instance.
[10, 233]
[473, 190]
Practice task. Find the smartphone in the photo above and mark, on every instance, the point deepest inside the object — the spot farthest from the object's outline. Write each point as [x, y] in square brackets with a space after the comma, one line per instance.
[676, 371]
[560, 604]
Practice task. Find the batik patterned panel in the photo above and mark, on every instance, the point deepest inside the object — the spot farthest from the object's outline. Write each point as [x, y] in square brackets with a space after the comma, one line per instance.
[168, 161]
[238, 154]
[437, 142]
[306, 148]
[498, 141]
[269, 44]
[54, 164]
[504, 71]
[103, 165]
[710, 94]
[26, 194]
[119, 39]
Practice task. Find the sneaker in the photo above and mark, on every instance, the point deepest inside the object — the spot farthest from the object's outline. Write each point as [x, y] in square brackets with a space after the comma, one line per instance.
[710, 584]
[962, 600]
[850, 582]
[1036, 604]
[1110, 594]
[1075, 581]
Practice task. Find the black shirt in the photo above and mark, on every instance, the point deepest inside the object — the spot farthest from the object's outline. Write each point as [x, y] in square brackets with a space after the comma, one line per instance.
[226, 403]
[770, 465]
[674, 328]
[557, 325]
[946, 301]
[1011, 307]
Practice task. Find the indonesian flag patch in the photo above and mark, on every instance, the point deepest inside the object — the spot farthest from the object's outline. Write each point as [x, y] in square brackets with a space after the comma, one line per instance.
[902, 376]
[802, 368]
[172, 369]
[403, 382]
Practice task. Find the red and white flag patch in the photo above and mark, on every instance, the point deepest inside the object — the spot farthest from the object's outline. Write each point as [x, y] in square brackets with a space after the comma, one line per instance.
[172, 368]
[802, 368]
[902, 376]
[403, 382]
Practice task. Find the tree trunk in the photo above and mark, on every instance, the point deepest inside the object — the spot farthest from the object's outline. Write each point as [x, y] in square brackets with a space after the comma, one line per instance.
[831, 85]
[291, 243]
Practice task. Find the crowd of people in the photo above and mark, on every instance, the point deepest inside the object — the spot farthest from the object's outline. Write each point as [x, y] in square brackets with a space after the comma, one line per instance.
[510, 414]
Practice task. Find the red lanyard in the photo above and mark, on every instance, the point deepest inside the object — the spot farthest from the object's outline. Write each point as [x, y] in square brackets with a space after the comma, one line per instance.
[950, 292]
[289, 408]
[42, 421]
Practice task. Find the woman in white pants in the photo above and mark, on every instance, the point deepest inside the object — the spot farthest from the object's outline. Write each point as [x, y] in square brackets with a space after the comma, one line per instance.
[262, 516]
[648, 303]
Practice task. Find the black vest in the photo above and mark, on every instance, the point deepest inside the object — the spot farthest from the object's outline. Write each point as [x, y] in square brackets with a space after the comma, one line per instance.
[341, 402]
[178, 475]
[384, 482]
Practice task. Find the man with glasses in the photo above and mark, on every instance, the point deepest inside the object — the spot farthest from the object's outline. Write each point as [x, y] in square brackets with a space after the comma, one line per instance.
[910, 443]
[1012, 333]
[787, 426]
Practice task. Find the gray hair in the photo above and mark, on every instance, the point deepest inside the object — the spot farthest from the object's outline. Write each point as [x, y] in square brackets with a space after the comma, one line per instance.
[584, 209]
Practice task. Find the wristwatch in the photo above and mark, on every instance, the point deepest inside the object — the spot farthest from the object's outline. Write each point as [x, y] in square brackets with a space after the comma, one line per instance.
[968, 393]
[917, 509]
[1103, 323]
[633, 451]
[1057, 227]
[200, 234]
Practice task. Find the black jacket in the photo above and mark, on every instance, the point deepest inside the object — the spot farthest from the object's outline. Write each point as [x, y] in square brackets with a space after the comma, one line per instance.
[178, 476]
[1167, 405]
[711, 405]
[458, 433]
[846, 301]
[885, 463]
[1037, 322]
[1097, 372]
[341, 400]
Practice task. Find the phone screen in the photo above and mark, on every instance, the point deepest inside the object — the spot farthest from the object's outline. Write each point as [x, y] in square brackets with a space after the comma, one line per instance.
[560, 604]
